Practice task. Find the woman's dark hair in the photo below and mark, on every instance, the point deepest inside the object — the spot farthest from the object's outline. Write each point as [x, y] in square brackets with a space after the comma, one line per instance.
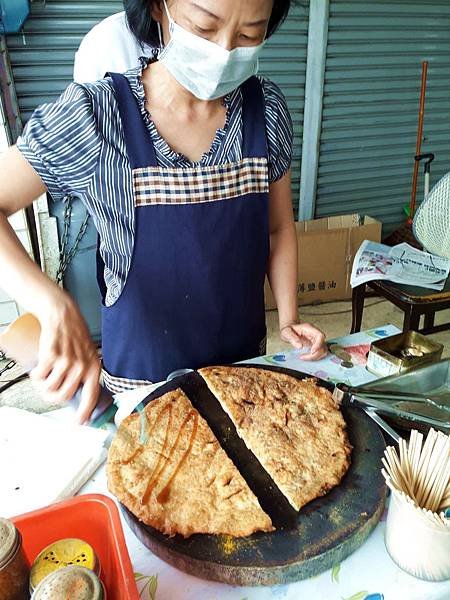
[145, 30]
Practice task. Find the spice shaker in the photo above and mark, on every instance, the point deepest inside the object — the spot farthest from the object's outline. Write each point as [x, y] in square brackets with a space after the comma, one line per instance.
[76, 583]
[61, 554]
[14, 570]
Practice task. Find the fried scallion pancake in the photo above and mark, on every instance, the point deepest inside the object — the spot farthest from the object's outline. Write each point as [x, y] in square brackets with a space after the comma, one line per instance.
[177, 478]
[294, 428]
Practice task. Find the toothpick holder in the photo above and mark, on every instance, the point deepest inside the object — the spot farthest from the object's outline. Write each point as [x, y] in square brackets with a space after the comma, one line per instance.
[416, 544]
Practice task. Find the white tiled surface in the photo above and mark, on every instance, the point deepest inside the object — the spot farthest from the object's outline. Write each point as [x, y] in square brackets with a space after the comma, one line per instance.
[18, 220]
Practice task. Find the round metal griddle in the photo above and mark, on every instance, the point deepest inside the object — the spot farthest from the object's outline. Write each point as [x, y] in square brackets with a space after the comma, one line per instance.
[305, 543]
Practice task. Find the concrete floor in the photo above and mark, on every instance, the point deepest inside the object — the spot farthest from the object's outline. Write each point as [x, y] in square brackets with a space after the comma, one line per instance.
[334, 318]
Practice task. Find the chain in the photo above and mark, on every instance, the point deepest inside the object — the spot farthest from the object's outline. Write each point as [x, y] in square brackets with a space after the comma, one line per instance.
[66, 255]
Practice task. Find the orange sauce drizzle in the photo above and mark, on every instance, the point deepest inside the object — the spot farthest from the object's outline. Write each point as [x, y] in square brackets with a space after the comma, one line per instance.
[163, 461]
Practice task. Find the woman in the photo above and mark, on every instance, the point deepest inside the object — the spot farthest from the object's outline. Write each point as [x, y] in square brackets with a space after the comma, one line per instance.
[183, 164]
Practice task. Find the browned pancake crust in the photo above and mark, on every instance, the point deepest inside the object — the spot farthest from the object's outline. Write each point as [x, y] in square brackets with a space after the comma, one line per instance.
[180, 480]
[293, 427]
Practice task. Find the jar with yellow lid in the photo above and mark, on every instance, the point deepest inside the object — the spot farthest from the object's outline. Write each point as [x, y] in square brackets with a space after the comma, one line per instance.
[61, 554]
[14, 570]
[74, 583]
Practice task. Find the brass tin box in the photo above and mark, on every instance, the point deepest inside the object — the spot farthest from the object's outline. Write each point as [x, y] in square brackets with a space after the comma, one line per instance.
[402, 352]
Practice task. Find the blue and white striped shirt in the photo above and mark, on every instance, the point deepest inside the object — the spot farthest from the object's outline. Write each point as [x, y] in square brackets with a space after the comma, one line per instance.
[77, 147]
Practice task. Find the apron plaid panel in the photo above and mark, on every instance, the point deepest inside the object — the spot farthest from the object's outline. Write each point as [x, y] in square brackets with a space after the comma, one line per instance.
[263, 346]
[159, 185]
[120, 384]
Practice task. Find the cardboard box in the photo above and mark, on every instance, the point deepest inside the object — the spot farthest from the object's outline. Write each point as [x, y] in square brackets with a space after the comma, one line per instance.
[326, 249]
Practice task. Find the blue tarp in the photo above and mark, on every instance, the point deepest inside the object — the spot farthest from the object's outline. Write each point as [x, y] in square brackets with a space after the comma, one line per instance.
[12, 15]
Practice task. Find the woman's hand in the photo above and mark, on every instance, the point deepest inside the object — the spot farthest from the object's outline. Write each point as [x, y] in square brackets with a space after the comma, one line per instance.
[305, 334]
[67, 356]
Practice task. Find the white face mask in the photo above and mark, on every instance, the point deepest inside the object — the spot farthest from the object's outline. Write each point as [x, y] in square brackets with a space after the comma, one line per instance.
[206, 69]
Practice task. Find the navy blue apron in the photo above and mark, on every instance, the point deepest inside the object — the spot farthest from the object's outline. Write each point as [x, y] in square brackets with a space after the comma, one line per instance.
[194, 294]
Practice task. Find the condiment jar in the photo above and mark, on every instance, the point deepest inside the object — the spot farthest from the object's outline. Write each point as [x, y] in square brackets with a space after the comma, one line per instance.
[60, 554]
[70, 583]
[14, 570]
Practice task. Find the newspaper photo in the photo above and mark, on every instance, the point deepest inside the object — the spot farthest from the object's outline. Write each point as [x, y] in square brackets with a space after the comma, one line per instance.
[400, 264]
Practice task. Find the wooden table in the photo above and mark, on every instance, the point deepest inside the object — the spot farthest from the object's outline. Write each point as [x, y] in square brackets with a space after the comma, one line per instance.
[413, 301]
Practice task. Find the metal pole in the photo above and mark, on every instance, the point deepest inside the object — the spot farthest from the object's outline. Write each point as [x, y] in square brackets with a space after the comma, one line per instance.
[13, 126]
[312, 119]
[423, 87]
[8, 96]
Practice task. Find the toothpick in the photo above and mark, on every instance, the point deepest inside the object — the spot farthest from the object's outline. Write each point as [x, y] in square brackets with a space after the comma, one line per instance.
[420, 476]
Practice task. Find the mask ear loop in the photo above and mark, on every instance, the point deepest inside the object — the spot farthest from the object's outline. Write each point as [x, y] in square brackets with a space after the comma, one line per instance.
[160, 31]
[161, 42]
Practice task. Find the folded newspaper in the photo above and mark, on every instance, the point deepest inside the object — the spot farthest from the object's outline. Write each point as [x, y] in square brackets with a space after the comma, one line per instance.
[400, 264]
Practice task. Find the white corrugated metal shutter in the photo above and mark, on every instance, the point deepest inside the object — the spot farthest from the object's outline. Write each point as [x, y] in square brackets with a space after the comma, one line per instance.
[42, 56]
[370, 104]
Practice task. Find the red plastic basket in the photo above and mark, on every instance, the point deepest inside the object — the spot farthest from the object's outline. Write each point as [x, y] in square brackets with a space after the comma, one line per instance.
[90, 517]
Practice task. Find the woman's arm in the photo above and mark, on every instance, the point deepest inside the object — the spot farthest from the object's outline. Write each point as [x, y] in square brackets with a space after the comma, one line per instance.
[67, 356]
[282, 271]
